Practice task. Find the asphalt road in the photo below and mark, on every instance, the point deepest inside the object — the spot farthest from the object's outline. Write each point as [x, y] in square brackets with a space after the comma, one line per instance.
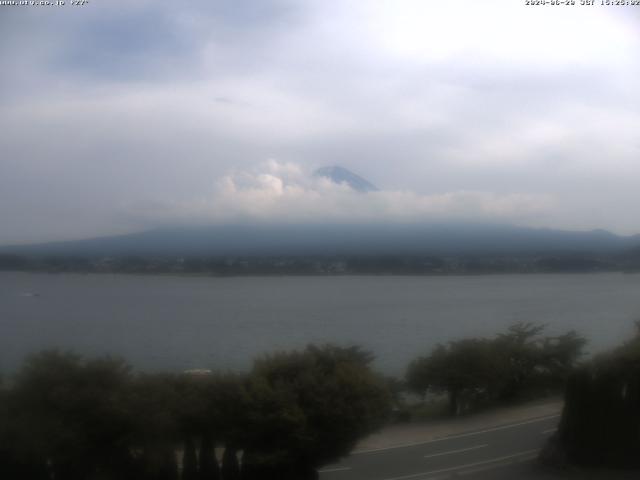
[502, 452]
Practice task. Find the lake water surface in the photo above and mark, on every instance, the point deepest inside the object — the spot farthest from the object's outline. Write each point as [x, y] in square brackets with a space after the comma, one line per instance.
[173, 322]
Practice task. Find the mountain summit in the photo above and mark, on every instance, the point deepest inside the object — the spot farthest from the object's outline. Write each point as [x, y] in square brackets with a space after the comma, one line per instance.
[341, 175]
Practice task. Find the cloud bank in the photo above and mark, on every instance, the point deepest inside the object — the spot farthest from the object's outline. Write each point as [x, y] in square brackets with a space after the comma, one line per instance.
[489, 109]
[287, 193]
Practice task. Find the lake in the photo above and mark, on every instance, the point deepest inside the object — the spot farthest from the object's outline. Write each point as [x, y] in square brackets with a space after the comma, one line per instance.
[175, 323]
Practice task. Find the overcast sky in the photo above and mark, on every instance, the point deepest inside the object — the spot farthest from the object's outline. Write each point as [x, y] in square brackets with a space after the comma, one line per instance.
[119, 116]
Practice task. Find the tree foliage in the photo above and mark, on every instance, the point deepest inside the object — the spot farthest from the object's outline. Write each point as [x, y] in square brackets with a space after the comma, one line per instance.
[600, 423]
[474, 370]
[72, 414]
[312, 406]
[65, 417]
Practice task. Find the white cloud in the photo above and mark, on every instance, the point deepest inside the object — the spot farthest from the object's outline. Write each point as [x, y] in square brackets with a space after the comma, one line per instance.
[489, 109]
[489, 32]
[286, 192]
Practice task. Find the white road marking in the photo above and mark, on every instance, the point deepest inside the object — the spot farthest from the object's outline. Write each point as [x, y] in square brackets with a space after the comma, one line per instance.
[336, 469]
[451, 452]
[453, 437]
[549, 430]
[465, 466]
[499, 464]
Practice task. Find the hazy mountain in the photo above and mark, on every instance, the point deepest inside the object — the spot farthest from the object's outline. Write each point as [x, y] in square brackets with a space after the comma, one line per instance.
[317, 239]
[341, 175]
[262, 239]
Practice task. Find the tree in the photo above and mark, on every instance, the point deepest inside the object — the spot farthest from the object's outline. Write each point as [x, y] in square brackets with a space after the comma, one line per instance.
[600, 424]
[533, 360]
[189, 461]
[467, 369]
[230, 466]
[520, 348]
[72, 413]
[226, 405]
[155, 407]
[309, 408]
[208, 468]
[74, 419]
[17, 459]
[472, 370]
[559, 355]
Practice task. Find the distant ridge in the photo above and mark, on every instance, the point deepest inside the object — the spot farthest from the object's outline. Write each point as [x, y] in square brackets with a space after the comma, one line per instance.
[340, 239]
[341, 175]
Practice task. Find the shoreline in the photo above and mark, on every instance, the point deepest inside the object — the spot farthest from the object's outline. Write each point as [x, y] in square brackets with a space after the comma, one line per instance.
[314, 274]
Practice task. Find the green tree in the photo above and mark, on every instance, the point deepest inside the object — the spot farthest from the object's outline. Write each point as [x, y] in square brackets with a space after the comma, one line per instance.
[560, 355]
[473, 370]
[208, 467]
[230, 466]
[226, 407]
[189, 460]
[155, 406]
[521, 350]
[309, 408]
[72, 413]
[466, 370]
[600, 422]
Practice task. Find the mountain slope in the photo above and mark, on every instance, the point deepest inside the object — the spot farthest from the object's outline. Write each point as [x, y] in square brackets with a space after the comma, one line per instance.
[341, 175]
[335, 239]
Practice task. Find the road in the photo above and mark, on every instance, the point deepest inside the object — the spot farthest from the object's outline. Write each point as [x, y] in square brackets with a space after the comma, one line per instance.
[501, 452]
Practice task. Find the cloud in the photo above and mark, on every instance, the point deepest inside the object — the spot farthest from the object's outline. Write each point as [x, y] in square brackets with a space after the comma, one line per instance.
[491, 109]
[286, 192]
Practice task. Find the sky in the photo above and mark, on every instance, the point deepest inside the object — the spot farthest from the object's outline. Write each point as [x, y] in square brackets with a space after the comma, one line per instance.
[122, 116]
